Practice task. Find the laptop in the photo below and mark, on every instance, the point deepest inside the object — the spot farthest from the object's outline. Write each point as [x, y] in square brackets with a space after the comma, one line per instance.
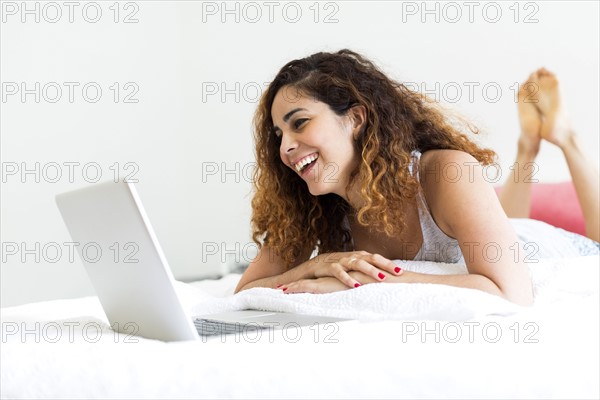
[132, 278]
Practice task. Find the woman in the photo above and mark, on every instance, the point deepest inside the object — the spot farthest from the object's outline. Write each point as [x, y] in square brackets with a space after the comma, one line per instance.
[365, 171]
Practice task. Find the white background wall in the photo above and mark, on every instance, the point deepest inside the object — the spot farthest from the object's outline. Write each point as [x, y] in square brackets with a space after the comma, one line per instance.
[178, 52]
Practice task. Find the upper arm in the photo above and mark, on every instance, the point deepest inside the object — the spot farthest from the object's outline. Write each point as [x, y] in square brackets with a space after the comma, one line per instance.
[466, 207]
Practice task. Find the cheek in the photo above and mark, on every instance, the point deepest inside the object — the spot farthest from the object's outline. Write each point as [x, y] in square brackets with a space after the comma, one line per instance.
[342, 141]
[339, 163]
[341, 148]
[351, 159]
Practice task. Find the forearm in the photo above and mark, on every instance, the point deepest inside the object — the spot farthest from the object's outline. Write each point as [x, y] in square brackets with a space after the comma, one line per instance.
[302, 271]
[471, 281]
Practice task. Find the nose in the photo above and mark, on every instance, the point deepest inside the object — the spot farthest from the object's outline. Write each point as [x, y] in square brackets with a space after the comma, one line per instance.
[288, 144]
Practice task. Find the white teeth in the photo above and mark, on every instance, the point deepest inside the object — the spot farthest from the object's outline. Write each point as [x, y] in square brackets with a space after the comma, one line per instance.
[304, 161]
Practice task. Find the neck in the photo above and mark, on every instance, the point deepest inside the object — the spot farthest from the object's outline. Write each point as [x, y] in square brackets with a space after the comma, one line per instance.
[352, 196]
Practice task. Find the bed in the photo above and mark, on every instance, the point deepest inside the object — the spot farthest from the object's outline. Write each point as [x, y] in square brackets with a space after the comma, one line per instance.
[404, 341]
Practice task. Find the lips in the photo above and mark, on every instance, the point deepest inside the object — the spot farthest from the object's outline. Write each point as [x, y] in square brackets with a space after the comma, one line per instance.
[302, 162]
[306, 171]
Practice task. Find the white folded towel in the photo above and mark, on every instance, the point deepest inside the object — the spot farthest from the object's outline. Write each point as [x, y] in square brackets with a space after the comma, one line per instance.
[552, 279]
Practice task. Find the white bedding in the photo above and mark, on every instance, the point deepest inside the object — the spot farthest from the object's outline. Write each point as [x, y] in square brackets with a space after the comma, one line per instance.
[409, 341]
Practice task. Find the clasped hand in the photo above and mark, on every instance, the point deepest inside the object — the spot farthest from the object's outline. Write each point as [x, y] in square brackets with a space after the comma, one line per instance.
[332, 272]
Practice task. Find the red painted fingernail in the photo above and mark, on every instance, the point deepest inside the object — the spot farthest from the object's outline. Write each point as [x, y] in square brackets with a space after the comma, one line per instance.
[278, 286]
[284, 289]
[381, 276]
[397, 269]
[356, 284]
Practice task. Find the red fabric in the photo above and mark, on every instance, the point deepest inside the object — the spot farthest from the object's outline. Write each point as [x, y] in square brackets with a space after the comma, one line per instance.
[556, 204]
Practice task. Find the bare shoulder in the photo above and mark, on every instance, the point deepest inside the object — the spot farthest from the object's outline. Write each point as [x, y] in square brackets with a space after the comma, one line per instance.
[445, 154]
[447, 169]
[452, 181]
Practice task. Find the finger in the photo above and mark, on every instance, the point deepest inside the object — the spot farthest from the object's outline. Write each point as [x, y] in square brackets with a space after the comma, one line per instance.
[376, 266]
[352, 257]
[357, 263]
[302, 286]
[341, 274]
[289, 288]
[348, 263]
[286, 288]
[385, 264]
[367, 268]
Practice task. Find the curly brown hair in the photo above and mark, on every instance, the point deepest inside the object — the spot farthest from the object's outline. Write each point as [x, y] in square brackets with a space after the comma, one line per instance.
[291, 221]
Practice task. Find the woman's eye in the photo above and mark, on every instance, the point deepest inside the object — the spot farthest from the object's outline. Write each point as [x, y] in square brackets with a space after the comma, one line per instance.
[299, 122]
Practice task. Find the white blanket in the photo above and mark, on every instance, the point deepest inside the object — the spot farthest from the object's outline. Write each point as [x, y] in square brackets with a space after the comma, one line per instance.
[414, 340]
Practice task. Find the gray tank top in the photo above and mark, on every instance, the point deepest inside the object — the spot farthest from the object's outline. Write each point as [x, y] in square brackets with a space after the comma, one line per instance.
[437, 246]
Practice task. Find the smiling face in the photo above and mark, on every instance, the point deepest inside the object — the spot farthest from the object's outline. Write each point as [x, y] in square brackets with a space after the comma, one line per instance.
[316, 143]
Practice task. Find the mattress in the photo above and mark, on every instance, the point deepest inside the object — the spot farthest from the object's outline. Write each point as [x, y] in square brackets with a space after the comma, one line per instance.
[403, 341]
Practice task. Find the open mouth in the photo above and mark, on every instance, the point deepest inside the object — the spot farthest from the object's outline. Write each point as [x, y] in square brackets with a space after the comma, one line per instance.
[306, 164]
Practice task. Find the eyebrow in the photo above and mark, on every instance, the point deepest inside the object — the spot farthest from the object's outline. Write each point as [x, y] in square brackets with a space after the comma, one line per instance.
[287, 116]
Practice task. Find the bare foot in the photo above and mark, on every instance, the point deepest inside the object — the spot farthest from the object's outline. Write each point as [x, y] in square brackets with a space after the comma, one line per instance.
[556, 127]
[529, 115]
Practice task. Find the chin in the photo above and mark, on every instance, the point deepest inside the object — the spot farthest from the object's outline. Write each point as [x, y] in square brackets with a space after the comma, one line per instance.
[318, 189]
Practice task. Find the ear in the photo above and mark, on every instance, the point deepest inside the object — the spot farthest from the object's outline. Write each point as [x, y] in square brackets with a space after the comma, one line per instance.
[358, 116]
